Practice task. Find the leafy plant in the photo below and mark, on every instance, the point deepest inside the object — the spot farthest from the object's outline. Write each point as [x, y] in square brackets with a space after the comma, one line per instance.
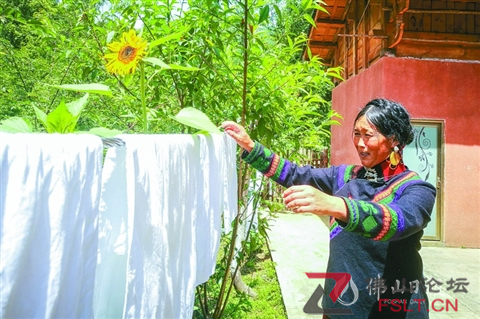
[16, 125]
[247, 67]
[64, 118]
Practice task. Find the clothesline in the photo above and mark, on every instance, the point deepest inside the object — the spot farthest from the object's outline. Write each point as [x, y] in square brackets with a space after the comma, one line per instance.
[128, 238]
[112, 142]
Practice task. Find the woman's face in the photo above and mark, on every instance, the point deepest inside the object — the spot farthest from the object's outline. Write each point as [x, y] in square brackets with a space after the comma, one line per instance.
[372, 147]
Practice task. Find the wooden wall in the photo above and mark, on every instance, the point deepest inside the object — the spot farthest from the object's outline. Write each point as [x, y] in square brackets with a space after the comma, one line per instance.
[434, 29]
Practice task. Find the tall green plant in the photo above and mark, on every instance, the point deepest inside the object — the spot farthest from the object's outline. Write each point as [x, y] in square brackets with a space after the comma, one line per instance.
[249, 70]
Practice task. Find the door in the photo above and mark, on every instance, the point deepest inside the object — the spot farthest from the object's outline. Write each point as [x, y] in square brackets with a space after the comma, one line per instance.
[425, 156]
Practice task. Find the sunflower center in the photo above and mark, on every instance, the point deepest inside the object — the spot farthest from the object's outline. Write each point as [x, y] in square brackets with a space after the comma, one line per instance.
[127, 54]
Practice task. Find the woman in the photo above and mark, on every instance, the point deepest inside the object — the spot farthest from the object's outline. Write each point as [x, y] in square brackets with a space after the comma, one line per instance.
[377, 212]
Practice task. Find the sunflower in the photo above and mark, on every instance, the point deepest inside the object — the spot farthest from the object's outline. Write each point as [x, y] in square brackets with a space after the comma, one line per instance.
[125, 54]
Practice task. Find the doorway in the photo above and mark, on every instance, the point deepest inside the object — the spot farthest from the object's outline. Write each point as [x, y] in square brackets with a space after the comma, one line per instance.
[425, 156]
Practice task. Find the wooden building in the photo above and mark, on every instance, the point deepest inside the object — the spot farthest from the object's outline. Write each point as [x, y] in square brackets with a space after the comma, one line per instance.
[424, 54]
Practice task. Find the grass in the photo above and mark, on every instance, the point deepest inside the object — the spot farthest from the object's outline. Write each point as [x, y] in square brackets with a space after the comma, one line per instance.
[263, 280]
[260, 275]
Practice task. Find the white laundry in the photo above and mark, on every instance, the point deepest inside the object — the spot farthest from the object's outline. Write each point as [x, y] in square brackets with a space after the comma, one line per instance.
[218, 162]
[229, 173]
[49, 195]
[110, 279]
[175, 188]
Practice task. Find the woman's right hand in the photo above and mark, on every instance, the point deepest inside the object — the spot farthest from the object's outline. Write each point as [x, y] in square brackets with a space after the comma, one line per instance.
[238, 133]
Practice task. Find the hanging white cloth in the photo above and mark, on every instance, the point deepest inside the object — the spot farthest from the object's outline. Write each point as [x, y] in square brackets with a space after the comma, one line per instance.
[49, 195]
[110, 279]
[162, 198]
[218, 162]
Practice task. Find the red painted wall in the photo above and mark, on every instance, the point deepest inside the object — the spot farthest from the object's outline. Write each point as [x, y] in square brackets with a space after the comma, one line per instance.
[429, 89]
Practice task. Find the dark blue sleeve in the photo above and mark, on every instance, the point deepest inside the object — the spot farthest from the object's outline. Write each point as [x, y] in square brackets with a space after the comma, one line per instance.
[287, 173]
[398, 211]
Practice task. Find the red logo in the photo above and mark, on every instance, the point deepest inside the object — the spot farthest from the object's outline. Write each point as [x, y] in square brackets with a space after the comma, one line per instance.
[341, 282]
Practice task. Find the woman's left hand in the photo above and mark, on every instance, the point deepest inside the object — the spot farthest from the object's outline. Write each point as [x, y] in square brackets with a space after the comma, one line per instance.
[307, 199]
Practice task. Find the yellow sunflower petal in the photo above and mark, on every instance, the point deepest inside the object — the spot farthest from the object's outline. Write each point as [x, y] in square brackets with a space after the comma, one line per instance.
[114, 46]
[110, 55]
[125, 54]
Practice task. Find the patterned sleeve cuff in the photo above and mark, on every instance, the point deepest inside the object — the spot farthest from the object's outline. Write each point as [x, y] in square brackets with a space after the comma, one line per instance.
[353, 215]
[267, 162]
[373, 220]
[250, 157]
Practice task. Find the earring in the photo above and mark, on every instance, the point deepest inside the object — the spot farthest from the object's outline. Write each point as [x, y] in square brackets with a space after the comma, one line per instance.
[395, 157]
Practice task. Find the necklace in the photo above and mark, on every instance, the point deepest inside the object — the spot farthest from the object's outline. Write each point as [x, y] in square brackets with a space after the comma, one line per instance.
[371, 174]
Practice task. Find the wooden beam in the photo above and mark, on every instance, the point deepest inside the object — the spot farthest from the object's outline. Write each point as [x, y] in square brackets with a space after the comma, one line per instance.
[440, 41]
[366, 41]
[363, 36]
[442, 11]
[354, 39]
[447, 37]
[322, 44]
[336, 23]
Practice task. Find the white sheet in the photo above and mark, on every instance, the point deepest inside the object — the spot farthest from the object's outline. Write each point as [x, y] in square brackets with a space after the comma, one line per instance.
[175, 188]
[49, 195]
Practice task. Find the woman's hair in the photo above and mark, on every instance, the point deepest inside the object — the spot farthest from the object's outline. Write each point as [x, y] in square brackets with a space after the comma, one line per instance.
[390, 118]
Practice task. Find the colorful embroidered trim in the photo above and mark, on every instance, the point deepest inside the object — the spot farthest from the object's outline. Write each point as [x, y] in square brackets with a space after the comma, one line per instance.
[354, 216]
[400, 221]
[335, 229]
[284, 171]
[261, 163]
[273, 166]
[393, 221]
[387, 195]
[390, 224]
[387, 220]
[254, 153]
[396, 227]
[345, 171]
[279, 170]
[257, 159]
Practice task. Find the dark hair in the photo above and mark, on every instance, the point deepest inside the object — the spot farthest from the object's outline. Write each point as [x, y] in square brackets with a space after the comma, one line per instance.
[390, 118]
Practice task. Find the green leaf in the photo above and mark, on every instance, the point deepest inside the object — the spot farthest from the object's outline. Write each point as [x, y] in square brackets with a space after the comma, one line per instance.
[197, 119]
[335, 75]
[157, 62]
[76, 107]
[294, 8]
[167, 38]
[318, 7]
[41, 116]
[183, 68]
[59, 120]
[16, 125]
[309, 19]
[306, 4]
[104, 132]
[278, 12]
[64, 118]
[163, 65]
[95, 88]
[264, 14]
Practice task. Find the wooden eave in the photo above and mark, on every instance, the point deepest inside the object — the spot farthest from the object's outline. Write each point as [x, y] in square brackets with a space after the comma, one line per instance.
[354, 34]
[323, 39]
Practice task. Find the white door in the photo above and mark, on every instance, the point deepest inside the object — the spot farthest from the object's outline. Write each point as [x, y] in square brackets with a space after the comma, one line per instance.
[424, 156]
